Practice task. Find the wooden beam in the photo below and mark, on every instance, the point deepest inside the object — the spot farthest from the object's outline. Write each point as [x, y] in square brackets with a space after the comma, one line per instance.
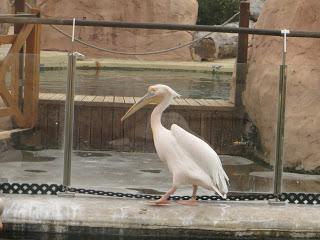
[7, 39]
[16, 46]
[8, 100]
[31, 84]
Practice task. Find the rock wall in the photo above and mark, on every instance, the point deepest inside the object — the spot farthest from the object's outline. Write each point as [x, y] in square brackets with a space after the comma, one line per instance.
[126, 40]
[302, 130]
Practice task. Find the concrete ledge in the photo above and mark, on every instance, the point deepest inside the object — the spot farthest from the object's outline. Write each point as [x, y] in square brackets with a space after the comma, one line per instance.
[103, 215]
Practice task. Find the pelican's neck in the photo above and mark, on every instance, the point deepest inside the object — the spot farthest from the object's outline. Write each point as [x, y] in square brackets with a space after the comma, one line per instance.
[157, 112]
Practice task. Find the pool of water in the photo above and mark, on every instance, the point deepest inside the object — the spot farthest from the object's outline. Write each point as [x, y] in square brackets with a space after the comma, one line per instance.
[135, 83]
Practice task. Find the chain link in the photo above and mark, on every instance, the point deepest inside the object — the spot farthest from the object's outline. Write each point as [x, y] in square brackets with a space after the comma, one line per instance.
[53, 189]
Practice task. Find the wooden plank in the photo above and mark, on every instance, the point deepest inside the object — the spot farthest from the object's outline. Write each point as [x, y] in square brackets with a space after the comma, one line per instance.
[226, 135]
[109, 99]
[237, 128]
[58, 97]
[129, 100]
[84, 117]
[216, 131]
[117, 129]
[15, 48]
[15, 111]
[137, 99]
[46, 96]
[7, 39]
[107, 119]
[192, 102]
[202, 102]
[140, 130]
[195, 122]
[118, 99]
[181, 101]
[99, 99]
[52, 126]
[43, 124]
[88, 98]
[213, 103]
[79, 98]
[96, 128]
[205, 130]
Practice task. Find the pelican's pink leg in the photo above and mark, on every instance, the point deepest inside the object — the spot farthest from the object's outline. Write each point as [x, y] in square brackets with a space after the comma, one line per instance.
[164, 199]
[193, 201]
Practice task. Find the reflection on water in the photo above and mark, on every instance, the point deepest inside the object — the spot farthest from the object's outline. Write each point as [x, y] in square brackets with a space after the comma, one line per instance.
[135, 83]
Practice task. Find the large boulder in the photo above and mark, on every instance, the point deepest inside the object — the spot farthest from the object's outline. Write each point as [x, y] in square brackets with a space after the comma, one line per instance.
[122, 39]
[256, 8]
[302, 129]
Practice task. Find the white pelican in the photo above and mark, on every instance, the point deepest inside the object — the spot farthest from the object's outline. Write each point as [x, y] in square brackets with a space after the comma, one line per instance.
[189, 159]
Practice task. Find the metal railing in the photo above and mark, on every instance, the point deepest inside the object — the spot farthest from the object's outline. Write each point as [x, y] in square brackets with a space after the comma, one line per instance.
[159, 26]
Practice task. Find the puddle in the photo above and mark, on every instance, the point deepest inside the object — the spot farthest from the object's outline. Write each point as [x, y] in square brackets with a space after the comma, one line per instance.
[151, 170]
[35, 171]
[92, 154]
[147, 191]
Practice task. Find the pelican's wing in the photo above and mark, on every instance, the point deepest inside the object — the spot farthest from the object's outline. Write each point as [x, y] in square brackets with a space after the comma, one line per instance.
[203, 155]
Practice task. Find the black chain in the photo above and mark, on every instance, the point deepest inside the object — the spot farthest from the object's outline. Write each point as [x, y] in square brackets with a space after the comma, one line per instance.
[53, 189]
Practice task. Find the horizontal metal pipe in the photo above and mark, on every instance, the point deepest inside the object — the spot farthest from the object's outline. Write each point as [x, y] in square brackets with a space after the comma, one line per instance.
[167, 26]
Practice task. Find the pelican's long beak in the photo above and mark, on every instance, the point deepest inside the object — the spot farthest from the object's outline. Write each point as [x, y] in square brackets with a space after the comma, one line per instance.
[149, 97]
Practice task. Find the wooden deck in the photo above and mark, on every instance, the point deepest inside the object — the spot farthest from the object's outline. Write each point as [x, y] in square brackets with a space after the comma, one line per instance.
[97, 124]
[120, 101]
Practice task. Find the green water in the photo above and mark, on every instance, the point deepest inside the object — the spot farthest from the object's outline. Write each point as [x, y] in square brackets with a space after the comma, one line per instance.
[135, 83]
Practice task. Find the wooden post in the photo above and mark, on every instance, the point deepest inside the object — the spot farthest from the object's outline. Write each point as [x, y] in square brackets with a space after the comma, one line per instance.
[31, 84]
[241, 67]
[243, 38]
[32, 69]
[18, 8]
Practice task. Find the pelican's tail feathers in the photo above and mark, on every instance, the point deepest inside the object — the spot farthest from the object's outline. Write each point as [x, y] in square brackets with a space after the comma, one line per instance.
[219, 193]
[223, 183]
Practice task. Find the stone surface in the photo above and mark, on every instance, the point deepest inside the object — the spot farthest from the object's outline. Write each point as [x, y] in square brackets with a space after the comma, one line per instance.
[134, 172]
[256, 8]
[216, 46]
[126, 40]
[106, 215]
[302, 131]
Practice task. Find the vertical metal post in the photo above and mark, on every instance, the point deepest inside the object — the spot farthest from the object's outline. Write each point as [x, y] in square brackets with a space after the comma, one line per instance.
[68, 122]
[278, 167]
